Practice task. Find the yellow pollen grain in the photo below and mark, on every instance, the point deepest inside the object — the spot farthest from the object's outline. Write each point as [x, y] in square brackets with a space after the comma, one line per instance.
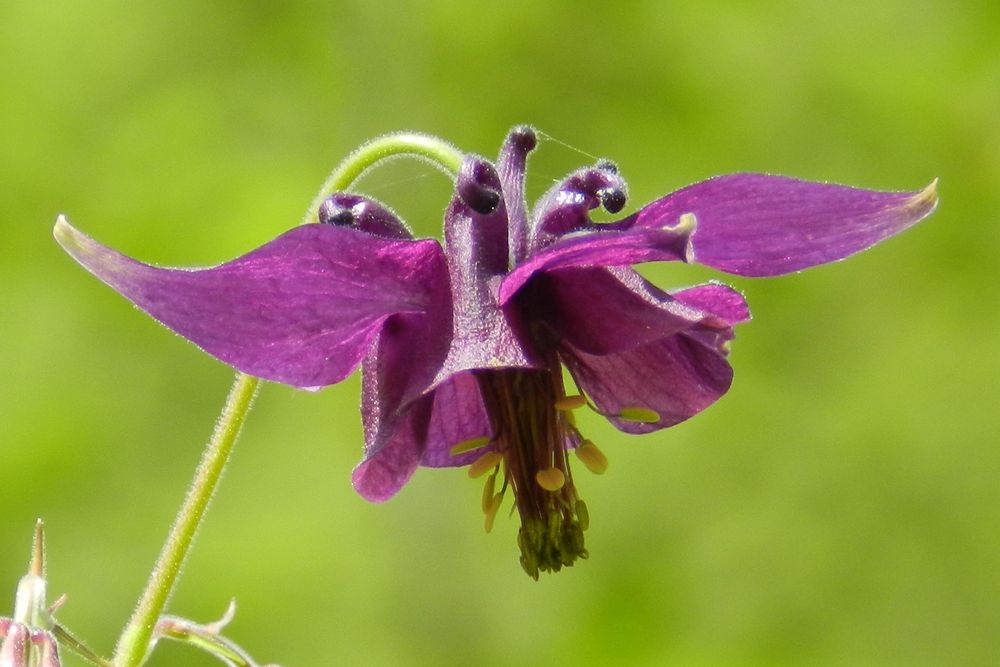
[484, 463]
[592, 457]
[491, 512]
[488, 490]
[567, 403]
[550, 479]
[641, 415]
[469, 445]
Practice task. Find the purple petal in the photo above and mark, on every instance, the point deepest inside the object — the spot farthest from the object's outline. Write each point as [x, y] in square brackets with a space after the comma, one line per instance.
[511, 166]
[601, 311]
[302, 309]
[477, 251]
[724, 308]
[362, 213]
[459, 415]
[760, 225]
[676, 377]
[722, 301]
[566, 207]
[602, 246]
[398, 369]
[382, 474]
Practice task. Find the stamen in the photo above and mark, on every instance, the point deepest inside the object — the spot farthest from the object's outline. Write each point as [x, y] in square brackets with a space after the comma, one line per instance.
[641, 415]
[484, 463]
[592, 457]
[550, 479]
[469, 445]
[491, 512]
[533, 436]
[567, 403]
[488, 491]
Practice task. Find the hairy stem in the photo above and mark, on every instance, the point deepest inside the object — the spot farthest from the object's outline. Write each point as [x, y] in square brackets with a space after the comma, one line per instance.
[134, 642]
[438, 152]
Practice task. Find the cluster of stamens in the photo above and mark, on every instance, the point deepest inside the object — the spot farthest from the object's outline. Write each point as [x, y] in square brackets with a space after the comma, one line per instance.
[534, 428]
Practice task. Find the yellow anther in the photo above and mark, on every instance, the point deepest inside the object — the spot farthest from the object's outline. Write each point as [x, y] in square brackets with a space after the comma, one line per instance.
[469, 445]
[488, 490]
[592, 457]
[491, 511]
[641, 415]
[484, 463]
[570, 418]
[567, 403]
[550, 479]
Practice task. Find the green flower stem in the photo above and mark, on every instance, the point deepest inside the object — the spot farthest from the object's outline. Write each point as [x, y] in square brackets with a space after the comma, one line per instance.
[438, 152]
[134, 642]
[133, 645]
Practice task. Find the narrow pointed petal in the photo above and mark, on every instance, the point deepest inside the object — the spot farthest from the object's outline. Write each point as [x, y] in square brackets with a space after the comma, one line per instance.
[603, 246]
[761, 225]
[675, 377]
[602, 311]
[302, 309]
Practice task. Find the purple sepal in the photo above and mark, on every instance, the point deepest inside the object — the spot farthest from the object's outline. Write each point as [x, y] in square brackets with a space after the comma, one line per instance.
[602, 311]
[303, 309]
[603, 246]
[761, 225]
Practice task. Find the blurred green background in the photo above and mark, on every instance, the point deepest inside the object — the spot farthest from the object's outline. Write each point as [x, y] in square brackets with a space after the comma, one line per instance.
[839, 507]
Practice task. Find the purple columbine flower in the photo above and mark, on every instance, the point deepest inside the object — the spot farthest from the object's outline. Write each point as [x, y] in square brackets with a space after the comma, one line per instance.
[462, 347]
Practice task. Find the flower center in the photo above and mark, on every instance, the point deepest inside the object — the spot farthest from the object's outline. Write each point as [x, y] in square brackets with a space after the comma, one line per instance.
[532, 437]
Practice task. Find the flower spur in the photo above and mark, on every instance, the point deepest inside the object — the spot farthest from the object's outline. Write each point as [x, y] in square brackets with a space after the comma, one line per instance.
[462, 346]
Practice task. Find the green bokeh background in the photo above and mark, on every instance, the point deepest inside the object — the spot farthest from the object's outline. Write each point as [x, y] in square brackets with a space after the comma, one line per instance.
[839, 507]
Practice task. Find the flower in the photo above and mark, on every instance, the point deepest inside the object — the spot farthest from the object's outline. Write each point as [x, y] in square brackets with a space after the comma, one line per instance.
[462, 347]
